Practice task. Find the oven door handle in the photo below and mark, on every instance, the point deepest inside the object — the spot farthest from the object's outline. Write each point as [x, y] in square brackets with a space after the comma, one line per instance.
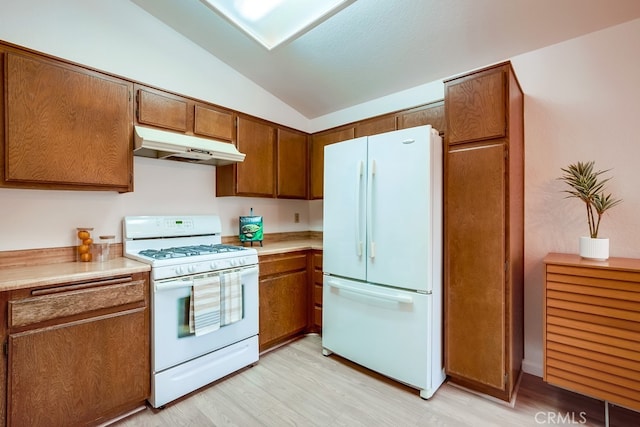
[186, 283]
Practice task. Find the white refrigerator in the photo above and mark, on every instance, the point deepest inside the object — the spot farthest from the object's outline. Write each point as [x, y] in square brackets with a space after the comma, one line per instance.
[382, 255]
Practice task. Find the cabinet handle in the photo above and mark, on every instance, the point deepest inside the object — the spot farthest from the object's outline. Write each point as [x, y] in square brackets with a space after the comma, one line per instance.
[78, 286]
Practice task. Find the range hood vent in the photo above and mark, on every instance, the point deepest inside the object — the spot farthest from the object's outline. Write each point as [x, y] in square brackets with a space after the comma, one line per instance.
[159, 144]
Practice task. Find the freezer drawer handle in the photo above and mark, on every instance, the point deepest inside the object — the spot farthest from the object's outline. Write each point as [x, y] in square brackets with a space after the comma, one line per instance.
[396, 298]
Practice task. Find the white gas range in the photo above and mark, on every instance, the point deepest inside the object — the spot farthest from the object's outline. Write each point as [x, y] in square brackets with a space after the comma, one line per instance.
[195, 343]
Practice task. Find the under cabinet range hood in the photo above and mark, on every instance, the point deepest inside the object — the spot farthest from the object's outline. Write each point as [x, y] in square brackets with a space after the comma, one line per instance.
[160, 144]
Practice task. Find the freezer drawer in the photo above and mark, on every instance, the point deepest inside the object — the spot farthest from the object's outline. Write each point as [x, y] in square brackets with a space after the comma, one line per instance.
[386, 330]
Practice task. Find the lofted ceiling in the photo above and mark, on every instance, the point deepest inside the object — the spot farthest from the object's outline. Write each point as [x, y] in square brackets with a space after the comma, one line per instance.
[374, 48]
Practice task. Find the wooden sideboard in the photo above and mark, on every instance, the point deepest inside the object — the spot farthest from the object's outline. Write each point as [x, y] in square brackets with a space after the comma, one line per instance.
[591, 327]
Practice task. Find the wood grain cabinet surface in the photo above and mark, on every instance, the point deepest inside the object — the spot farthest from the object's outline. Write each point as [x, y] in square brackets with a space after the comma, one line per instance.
[283, 297]
[255, 176]
[315, 322]
[591, 330]
[316, 167]
[292, 164]
[375, 125]
[63, 126]
[162, 109]
[78, 353]
[429, 114]
[484, 230]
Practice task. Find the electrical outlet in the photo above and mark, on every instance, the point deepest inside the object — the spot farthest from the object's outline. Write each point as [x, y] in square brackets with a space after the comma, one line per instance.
[296, 217]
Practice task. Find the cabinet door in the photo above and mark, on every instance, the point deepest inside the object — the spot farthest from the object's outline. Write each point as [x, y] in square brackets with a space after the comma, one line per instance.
[283, 307]
[66, 127]
[475, 264]
[256, 175]
[77, 373]
[431, 114]
[213, 122]
[292, 164]
[284, 304]
[476, 107]
[375, 126]
[318, 142]
[162, 110]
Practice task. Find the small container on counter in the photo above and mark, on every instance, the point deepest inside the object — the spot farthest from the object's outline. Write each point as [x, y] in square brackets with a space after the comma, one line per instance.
[85, 244]
[102, 248]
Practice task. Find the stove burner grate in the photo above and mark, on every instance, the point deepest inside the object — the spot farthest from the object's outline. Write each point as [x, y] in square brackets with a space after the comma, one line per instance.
[185, 251]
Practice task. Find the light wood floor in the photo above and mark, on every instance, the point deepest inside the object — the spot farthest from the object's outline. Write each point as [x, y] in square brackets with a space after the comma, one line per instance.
[295, 385]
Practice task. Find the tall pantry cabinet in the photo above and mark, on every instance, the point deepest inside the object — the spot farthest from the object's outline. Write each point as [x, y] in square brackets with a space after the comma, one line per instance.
[483, 230]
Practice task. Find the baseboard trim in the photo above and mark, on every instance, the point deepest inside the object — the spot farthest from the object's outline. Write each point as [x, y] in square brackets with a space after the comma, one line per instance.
[532, 368]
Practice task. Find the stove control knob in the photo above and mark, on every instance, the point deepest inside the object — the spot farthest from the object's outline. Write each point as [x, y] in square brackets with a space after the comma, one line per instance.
[179, 271]
[213, 266]
[191, 269]
[232, 262]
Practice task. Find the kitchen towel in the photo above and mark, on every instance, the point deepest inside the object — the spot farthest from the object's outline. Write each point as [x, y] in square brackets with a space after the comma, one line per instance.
[204, 307]
[231, 285]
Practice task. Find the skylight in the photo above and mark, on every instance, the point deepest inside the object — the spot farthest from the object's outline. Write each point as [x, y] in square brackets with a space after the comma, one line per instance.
[273, 22]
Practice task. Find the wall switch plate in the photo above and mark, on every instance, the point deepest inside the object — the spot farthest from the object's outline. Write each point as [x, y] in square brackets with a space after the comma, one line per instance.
[296, 217]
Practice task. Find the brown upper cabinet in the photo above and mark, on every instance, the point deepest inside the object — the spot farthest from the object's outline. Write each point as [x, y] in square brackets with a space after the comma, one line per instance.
[476, 107]
[376, 125]
[63, 126]
[316, 166]
[213, 122]
[165, 110]
[275, 164]
[429, 114]
[255, 177]
[292, 158]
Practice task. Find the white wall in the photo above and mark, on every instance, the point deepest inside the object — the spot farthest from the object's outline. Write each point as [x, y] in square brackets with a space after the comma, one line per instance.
[581, 103]
[118, 37]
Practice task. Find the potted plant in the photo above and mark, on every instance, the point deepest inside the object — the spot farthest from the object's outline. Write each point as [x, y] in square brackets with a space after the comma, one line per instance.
[586, 185]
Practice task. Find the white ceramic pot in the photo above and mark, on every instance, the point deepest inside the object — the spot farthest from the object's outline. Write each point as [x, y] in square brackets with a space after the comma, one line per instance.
[595, 249]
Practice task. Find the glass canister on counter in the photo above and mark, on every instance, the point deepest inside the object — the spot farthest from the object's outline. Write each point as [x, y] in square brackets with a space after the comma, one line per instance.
[102, 248]
[85, 244]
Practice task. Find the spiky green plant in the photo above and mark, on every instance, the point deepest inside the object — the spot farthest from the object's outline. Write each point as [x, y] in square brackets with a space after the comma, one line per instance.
[587, 186]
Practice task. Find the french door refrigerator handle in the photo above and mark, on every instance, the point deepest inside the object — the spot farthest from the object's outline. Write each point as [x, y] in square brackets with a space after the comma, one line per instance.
[372, 242]
[358, 210]
[406, 299]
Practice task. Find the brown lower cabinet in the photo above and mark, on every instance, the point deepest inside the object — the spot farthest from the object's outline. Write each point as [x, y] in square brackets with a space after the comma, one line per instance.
[77, 353]
[284, 296]
[315, 321]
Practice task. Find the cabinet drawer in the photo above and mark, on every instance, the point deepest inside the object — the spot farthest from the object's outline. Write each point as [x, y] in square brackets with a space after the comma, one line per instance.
[64, 302]
[276, 264]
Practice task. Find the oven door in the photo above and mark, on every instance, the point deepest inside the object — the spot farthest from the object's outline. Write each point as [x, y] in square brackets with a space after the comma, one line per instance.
[171, 341]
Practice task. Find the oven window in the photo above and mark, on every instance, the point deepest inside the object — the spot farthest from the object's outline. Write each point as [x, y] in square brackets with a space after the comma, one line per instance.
[183, 317]
[233, 313]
